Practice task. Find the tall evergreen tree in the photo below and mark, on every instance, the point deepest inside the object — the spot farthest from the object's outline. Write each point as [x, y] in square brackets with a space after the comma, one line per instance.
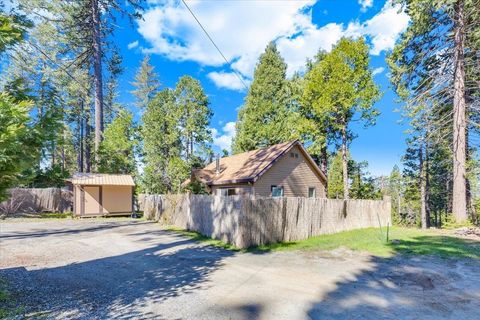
[175, 135]
[146, 83]
[264, 118]
[161, 142]
[396, 193]
[421, 76]
[194, 116]
[86, 26]
[335, 177]
[20, 136]
[118, 145]
[339, 86]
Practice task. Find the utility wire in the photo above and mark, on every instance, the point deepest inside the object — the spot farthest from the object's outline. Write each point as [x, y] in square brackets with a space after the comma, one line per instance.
[215, 45]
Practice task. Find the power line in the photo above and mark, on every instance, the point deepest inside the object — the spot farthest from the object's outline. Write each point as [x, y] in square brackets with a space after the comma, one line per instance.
[215, 45]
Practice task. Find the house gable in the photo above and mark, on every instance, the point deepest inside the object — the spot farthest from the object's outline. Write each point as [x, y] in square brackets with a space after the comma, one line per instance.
[293, 171]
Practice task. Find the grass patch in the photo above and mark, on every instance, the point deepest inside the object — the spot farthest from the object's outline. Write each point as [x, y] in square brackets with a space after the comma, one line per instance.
[402, 240]
[42, 215]
[202, 238]
[8, 309]
[408, 241]
[56, 215]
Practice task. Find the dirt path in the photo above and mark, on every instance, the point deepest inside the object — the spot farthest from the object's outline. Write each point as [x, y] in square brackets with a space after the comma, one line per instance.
[95, 269]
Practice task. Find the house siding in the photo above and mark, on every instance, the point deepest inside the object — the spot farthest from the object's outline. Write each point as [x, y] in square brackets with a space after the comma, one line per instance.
[296, 175]
[240, 189]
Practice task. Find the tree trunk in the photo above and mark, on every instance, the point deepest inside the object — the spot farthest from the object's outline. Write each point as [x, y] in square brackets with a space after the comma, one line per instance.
[324, 157]
[345, 163]
[80, 139]
[399, 205]
[64, 139]
[459, 206]
[88, 130]
[423, 191]
[97, 74]
[191, 146]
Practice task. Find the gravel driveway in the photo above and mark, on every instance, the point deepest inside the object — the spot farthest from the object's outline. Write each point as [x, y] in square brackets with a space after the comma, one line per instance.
[97, 269]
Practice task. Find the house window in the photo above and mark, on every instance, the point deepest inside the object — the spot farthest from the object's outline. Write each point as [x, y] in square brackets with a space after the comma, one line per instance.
[312, 192]
[225, 192]
[277, 191]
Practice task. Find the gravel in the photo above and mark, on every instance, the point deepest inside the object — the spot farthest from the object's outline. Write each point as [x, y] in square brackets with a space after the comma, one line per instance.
[130, 269]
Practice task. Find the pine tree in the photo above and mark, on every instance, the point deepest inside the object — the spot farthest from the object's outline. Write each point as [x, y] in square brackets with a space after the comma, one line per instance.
[335, 177]
[161, 142]
[338, 86]
[87, 30]
[264, 118]
[21, 138]
[420, 77]
[194, 119]
[175, 135]
[396, 192]
[115, 69]
[118, 146]
[146, 84]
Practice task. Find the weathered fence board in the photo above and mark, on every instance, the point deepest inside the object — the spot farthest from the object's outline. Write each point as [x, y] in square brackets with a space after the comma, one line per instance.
[246, 222]
[37, 200]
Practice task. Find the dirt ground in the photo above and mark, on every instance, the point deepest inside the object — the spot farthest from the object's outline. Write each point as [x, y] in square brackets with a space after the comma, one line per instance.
[97, 269]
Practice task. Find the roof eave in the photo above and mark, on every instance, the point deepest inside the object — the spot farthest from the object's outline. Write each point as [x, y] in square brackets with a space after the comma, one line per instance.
[233, 181]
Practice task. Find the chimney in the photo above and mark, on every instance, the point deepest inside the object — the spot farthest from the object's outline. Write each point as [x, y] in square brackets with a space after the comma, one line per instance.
[217, 164]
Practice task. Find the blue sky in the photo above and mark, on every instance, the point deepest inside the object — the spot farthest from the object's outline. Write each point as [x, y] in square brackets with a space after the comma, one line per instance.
[242, 29]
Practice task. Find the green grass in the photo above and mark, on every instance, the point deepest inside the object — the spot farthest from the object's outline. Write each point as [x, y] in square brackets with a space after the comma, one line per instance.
[8, 309]
[56, 215]
[401, 240]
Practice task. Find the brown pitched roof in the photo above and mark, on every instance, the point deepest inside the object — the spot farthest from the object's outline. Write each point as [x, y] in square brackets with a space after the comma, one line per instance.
[102, 179]
[248, 166]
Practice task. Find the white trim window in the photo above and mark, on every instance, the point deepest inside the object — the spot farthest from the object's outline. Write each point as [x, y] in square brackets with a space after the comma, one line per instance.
[312, 192]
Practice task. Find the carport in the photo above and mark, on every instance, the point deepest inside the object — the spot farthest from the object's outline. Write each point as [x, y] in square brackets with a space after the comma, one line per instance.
[98, 194]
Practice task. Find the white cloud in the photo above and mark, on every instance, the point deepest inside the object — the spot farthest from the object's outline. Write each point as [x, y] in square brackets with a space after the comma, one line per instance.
[224, 140]
[365, 4]
[378, 70]
[383, 28]
[228, 80]
[242, 29]
[295, 51]
[132, 45]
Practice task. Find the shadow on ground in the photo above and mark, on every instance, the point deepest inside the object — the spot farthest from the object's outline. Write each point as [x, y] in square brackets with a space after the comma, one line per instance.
[45, 232]
[429, 277]
[109, 287]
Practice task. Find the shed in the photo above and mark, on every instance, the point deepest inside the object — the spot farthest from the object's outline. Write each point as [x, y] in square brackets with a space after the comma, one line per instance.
[98, 194]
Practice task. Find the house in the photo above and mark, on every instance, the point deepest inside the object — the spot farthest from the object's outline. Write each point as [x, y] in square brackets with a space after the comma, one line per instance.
[97, 194]
[284, 169]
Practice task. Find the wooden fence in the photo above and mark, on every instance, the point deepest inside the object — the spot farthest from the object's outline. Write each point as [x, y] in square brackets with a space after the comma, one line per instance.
[245, 222]
[37, 200]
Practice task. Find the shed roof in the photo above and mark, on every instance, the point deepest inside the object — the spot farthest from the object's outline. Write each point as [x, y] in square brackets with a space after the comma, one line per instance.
[250, 165]
[102, 179]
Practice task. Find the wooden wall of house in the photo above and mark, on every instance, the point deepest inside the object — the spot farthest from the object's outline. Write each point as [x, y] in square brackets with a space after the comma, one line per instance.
[240, 189]
[295, 174]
